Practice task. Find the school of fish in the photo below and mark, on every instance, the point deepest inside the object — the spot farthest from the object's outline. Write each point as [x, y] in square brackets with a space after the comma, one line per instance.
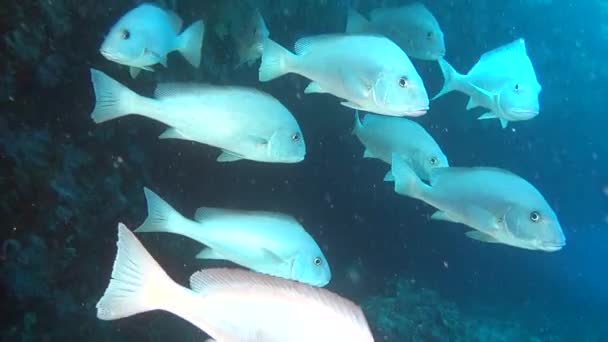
[277, 292]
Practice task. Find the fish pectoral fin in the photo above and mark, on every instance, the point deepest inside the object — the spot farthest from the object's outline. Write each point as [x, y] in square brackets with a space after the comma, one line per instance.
[472, 103]
[173, 133]
[227, 156]
[442, 216]
[163, 61]
[209, 254]
[504, 123]
[133, 71]
[389, 177]
[272, 257]
[479, 236]
[352, 105]
[314, 87]
[486, 116]
[368, 154]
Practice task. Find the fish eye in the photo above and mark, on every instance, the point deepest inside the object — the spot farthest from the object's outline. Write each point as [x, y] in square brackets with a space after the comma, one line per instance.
[429, 35]
[516, 86]
[317, 261]
[535, 216]
[403, 82]
[295, 136]
[125, 34]
[433, 161]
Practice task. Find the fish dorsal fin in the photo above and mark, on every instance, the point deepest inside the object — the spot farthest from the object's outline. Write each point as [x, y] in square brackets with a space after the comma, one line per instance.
[438, 172]
[516, 47]
[176, 21]
[356, 22]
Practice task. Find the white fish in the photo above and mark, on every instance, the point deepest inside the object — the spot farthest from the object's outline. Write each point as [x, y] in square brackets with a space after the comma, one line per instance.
[245, 123]
[413, 27]
[370, 72]
[229, 304]
[384, 135]
[266, 242]
[503, 81]
[145, 35]
[501, 206]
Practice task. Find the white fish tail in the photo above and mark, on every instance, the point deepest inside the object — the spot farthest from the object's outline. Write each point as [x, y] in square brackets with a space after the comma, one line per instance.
[276, 61]
[138, 283]
[161, 216]
[356, 23]
[452, 79]
[190, 43]
[407, 183]
[112, 99]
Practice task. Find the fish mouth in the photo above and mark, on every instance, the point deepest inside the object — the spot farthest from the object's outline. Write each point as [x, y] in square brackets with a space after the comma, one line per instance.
[417, 111]
[552, 246]
[109, 55]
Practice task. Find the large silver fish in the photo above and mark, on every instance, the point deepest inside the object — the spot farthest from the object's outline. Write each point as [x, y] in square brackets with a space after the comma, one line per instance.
[502, 81]
[244, 122]
[147, 34]
[266, 242]
[501, 206]
[229, 304]
[384, 135]
[370, 72]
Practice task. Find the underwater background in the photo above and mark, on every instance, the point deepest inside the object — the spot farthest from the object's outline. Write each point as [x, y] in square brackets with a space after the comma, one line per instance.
[65, 182]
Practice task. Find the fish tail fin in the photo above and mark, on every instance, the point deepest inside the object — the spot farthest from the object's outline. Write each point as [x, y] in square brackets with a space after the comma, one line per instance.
[407, 183]
[190, 43]
[162, 217]
[138, 283]
[358, 125]
[112, 99]
[276, 61]
[452, 78]
[356, 23]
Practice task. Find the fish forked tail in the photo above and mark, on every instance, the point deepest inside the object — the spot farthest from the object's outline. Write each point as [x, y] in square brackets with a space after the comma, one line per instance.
[190, 43]
[452, 79]
[162, 217]
[356, 23]
[407, 183]
[112, 99]
[138, 283]
[276, 61]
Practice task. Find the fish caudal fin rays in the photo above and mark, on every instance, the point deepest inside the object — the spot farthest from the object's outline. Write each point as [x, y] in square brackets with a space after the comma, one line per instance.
[406, 181]
[355, 22]
[112, 99]
[479, 236]
[161, 216]
[135, 275]
[451, 78]
[209, 254]
[190, 43]
[276, 61]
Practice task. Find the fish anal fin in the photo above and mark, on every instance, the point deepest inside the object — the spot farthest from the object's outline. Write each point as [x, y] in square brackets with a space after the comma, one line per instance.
[209, 254]
[442, 216]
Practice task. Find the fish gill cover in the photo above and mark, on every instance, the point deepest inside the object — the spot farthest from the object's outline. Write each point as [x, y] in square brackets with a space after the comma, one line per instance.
[66, 181]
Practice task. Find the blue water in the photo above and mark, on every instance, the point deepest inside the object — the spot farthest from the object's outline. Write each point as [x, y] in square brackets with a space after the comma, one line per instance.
[65, 182]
